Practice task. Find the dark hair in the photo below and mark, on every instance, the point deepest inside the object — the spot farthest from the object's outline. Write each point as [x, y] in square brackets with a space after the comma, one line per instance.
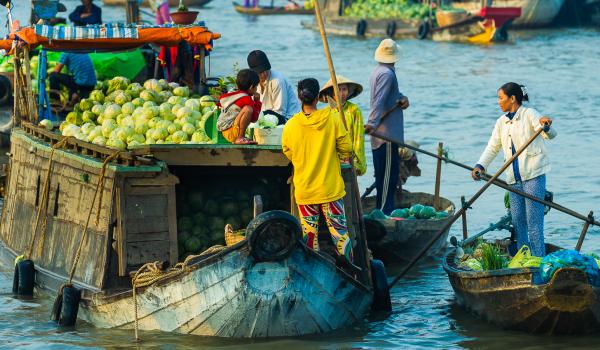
[246, 78]
[308, 90]
[516, 90]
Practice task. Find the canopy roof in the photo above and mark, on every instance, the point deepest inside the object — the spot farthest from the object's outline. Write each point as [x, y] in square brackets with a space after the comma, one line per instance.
[79, 38]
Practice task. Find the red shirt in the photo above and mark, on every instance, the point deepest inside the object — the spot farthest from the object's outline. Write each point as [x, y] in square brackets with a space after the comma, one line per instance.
[245, 101]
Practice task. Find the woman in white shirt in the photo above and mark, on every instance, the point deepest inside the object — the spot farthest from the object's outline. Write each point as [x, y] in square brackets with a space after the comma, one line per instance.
[527, 173]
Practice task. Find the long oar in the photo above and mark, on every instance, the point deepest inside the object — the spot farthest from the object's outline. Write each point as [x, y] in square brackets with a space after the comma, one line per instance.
[464, 208]
[497, 182]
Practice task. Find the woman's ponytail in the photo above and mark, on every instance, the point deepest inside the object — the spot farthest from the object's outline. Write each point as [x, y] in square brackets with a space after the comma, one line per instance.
[517, 90]
[308, 91]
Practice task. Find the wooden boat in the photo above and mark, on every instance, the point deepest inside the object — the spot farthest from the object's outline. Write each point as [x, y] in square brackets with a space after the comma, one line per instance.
[536, 13]
[172, 3]
[267, 285]
[367, 28]
[511, 299]
[271, 10]
[397, 242]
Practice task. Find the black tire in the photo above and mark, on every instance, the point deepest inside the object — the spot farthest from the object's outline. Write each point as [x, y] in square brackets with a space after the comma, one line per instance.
[375, 229]
[423, 30]
[273, 235]
[25, 278]
[70, 306]
[391, 29]
[381, 290]
[15, 287]
[5, 90]
[361, 28]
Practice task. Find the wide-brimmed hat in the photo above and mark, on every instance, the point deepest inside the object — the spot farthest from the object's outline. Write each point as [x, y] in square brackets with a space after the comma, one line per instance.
[405, 153]
[258, 61]
[387, 52]
[327, 90]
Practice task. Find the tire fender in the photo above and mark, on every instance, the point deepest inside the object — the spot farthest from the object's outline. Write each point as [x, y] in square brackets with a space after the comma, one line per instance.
[273, 235]
[381, 290]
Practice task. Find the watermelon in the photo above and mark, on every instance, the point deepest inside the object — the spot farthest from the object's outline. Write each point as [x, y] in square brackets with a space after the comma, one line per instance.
[426, 212]
[415, 210]
[377, 214]
[400, 213]
[441, 215]
[193, 245]
[185, 223]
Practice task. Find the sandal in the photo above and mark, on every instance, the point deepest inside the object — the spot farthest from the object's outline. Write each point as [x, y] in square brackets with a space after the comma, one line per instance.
[244, 141]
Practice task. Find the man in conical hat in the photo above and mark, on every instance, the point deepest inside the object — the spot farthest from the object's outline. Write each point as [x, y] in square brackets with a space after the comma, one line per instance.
[385, 96]
[353, 115]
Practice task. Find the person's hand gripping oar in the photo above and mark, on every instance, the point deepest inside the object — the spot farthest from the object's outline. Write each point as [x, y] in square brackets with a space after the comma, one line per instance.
[458, 214]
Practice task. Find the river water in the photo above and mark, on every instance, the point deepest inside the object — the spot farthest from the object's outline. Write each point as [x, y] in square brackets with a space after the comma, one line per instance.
[452, 89]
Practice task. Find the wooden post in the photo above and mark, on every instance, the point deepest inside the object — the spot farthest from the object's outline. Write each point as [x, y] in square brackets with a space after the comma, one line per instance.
[463, 203]
[438, 177]
[258, 205]
[132, 11]
[584, 231]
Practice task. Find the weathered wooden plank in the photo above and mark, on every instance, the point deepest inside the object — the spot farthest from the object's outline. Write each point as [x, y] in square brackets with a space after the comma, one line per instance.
[147, 224]
[144, 206]
[172, 219]
[147, 236]
[149, 251]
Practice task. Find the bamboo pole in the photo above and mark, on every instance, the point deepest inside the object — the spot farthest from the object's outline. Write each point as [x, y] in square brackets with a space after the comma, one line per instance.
[464, 218]
[336, 93]
[584, 231]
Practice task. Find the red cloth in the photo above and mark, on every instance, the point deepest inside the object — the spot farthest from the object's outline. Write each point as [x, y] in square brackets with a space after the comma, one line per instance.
[245, 101]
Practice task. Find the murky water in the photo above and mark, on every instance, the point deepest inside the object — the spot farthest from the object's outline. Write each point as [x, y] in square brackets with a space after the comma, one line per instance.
[452, 91]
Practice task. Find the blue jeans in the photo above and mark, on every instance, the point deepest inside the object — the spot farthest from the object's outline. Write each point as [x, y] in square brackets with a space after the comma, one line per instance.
[528, 215]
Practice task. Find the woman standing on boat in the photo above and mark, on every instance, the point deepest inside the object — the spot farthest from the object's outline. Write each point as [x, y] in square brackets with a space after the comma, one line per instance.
[528, 173]
[353, 115]
[315, 140]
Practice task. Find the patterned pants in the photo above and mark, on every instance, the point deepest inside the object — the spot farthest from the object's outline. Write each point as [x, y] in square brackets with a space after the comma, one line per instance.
[336, 222]
[528, 216]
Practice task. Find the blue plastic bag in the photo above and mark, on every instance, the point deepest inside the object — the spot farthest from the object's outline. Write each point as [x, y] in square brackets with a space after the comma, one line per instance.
[569, 258]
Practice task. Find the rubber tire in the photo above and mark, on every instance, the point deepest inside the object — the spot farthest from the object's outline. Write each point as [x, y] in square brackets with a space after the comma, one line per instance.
[25, 278]
[390, 30]
[5, 90]
[381, 290]
[375, 229]
[257, 234]
[423, 30]
[361, 28]
[70, 306]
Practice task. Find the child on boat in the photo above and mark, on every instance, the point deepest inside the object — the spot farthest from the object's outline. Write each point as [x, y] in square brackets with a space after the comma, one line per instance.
[353, 115]
[527, 173]
[314, 140]
[240, 108]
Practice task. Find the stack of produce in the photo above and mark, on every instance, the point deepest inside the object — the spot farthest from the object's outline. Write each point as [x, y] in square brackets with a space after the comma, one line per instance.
[484, 257]
[416, 212]
[388, 9]
[204, 208]
[122, 115]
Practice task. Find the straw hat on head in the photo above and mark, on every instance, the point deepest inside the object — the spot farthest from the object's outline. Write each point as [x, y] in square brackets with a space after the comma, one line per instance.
[354, 88]
[405, 153]
[387, 52]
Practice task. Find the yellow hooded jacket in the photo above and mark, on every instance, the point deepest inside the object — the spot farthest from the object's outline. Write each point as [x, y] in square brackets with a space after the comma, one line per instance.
[314, 144]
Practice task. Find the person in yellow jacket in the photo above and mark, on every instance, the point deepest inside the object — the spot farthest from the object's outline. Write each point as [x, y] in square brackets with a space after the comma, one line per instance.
[314, 140]
[353, 115]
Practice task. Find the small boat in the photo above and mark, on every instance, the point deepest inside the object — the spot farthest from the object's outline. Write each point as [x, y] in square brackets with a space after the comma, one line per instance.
[172, 3]
[511, 298]
[398, 241]
[536, 13]
[271, 10]
[367, 28]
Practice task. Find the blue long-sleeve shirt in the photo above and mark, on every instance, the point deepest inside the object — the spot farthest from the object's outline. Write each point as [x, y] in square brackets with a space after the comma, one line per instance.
[94, 18]
[384, 95]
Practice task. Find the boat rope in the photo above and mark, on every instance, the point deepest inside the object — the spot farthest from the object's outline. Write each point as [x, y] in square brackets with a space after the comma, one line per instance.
[43, 201]
[99, 188]
[151, 273]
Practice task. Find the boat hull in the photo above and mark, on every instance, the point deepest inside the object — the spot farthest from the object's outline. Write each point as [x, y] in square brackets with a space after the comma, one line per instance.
[404, 239]
[535, 13]
[231, 295]
[567, 304]
[265, 10]
[172, 3]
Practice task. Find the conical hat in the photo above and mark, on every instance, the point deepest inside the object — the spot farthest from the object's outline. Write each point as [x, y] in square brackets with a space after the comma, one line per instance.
[327, 90]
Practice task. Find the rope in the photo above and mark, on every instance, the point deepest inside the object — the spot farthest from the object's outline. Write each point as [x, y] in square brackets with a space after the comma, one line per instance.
[87, 223]
[44, 198]
[150, 273]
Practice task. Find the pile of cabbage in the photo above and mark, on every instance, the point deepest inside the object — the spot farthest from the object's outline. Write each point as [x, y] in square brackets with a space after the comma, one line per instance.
[416, 212]
[124, 115]
[387, 9]
[205, 204]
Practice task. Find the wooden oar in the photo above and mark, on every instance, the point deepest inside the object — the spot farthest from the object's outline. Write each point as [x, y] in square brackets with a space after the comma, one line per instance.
[336, 93]
[497, 182]
[464, 208]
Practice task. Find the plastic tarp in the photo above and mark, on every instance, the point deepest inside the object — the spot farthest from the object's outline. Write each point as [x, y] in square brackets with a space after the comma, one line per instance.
[569, 258]
[166, 36]
[108, 65]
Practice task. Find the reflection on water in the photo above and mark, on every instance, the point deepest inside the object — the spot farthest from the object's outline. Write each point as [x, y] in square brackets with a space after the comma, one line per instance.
[452, 88]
